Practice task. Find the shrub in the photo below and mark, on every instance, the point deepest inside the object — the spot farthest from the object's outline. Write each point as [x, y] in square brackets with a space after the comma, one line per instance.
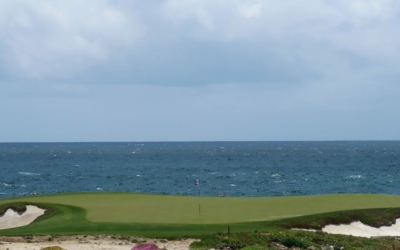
[253, 248]
[52, 248]
[291, 242]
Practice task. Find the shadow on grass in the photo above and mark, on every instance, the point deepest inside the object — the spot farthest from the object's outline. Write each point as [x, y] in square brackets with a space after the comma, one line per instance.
[71, 220]
[372, 217]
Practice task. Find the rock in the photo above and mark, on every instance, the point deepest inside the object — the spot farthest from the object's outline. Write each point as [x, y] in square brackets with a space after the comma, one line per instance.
[279, 246]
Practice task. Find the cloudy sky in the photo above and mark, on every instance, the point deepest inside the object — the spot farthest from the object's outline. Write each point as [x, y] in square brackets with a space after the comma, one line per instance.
[199, 70]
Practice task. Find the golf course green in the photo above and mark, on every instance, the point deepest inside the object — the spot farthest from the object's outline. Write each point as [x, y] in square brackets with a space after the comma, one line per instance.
[146, 208]
[176, 216]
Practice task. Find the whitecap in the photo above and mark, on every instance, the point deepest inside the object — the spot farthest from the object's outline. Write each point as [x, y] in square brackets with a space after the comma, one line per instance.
[275, 175]
[354, 177]
[133, 152]
[138, 175]
[28, 173]
[99, 188]
[6, 185]
[232, 185]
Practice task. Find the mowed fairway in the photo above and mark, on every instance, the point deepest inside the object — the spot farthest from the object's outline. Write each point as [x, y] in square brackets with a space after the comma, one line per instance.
[145, 208]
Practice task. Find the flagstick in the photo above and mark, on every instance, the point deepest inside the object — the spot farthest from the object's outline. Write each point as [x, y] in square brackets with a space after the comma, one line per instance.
[197, 183]
[199, 200]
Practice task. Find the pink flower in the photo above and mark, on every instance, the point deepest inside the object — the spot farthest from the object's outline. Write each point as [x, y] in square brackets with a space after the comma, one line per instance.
[146, 247]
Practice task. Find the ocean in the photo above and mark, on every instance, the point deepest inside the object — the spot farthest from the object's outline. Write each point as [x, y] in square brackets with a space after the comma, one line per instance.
[223, 168]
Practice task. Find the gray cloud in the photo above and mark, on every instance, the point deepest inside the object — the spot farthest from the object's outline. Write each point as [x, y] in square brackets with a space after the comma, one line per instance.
[253, 40]
[100, 70]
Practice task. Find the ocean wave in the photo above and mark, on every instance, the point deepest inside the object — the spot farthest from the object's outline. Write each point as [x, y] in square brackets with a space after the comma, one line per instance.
[354, 177]
[28, 173]
[171, 167]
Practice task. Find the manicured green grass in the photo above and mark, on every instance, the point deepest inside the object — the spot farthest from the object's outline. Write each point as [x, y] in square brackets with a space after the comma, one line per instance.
[70, 220]
[178, 216]
[160, 209]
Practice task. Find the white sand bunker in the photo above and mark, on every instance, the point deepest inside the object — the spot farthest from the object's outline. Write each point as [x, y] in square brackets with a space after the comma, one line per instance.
[359, 229]
[12, 219]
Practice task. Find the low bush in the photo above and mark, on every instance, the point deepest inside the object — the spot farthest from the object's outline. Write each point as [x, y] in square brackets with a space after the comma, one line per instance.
[52, 248]
[253, 248]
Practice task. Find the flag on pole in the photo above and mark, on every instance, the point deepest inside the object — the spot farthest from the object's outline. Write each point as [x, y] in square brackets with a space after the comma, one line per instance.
[197, 182]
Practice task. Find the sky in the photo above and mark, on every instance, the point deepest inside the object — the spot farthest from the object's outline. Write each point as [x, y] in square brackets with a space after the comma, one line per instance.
[199, 70]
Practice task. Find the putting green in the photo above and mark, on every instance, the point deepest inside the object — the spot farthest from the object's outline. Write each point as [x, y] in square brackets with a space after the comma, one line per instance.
[145, 208]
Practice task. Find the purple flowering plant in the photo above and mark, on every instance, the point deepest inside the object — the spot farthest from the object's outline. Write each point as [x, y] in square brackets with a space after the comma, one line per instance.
[145, 247]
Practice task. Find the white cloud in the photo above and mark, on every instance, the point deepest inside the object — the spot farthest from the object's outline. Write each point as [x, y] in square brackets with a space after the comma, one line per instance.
[363, 27]
[250, 8]
[46, 38]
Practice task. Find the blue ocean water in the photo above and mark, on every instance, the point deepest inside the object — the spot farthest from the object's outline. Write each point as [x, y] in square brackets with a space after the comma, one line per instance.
[224, 168]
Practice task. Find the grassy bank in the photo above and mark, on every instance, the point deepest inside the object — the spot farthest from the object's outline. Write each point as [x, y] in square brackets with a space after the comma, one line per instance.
[255, 223]
[70, 220]
[165, 209]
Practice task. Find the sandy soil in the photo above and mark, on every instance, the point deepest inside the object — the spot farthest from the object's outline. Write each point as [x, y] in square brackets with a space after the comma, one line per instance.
[359, 229]
[12, 219]
[101, 242]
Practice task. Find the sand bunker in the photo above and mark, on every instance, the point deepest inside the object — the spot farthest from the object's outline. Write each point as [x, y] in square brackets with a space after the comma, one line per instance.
[359, 229]
[12, 219]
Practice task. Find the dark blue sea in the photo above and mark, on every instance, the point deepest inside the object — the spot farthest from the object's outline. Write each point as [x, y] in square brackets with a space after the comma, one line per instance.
[224, 168]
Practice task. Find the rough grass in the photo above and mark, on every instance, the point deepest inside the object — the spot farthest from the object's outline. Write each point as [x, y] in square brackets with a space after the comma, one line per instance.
[165, 209]
[18, 207]
[372, 217]
[278, 234]
[288, 239]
